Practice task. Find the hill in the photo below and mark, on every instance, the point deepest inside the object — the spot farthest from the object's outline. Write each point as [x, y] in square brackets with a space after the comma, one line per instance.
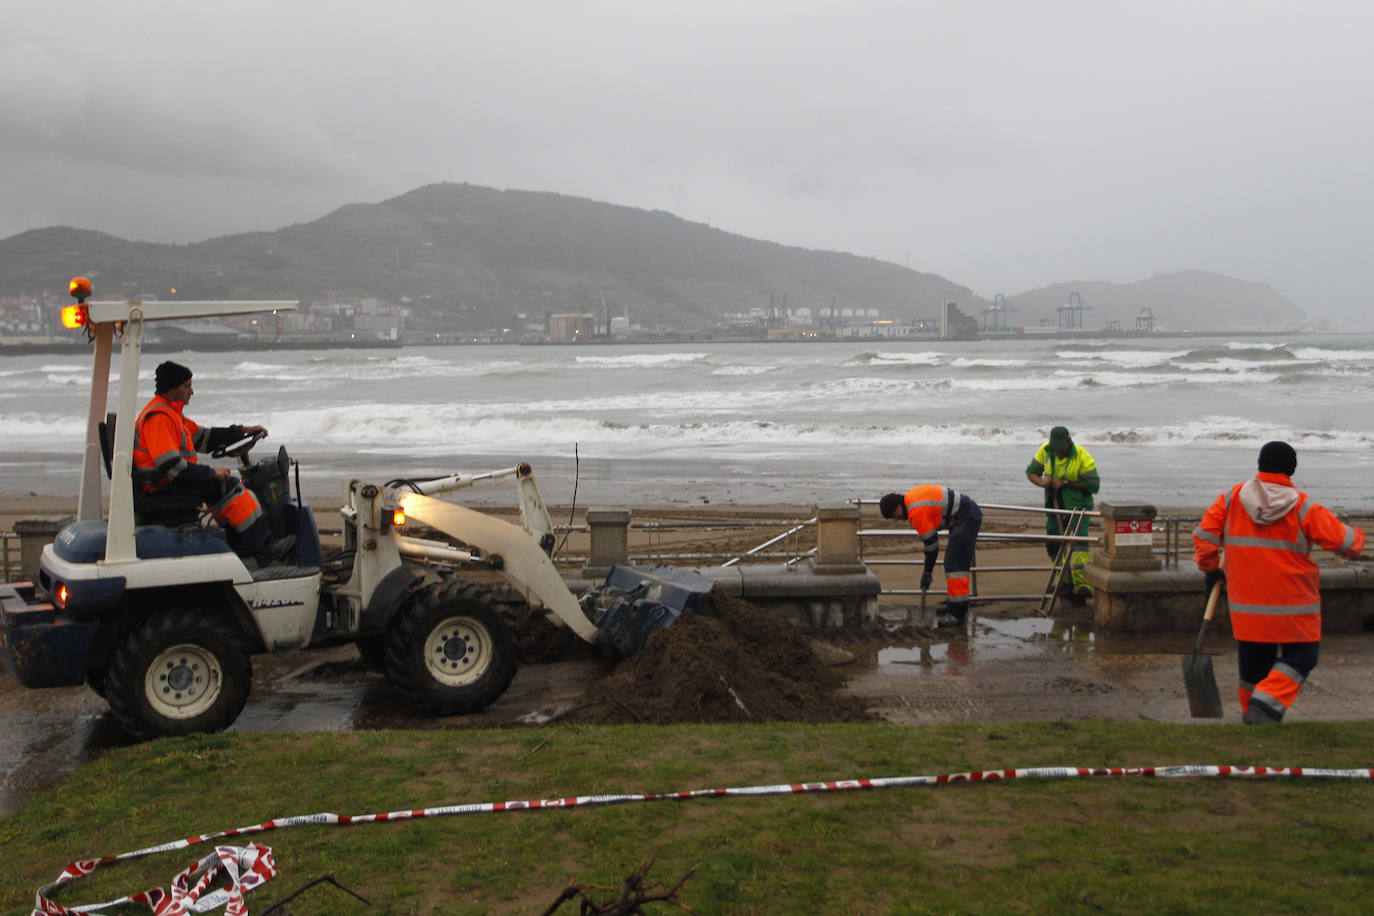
[1191, 300]
[468, 257]
[481, 256]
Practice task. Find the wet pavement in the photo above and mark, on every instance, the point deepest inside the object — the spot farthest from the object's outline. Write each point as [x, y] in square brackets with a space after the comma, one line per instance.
[1003, 669]
[1035, 669]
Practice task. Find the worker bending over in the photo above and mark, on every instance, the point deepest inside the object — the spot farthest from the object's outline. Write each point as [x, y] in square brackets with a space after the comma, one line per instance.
[929, 507]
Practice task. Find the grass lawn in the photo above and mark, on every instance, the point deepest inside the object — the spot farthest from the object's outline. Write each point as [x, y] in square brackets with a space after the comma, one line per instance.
[1086, 845]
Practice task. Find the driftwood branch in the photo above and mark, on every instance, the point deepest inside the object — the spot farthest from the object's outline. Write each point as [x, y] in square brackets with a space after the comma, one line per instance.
[327, 878]
[634, 892]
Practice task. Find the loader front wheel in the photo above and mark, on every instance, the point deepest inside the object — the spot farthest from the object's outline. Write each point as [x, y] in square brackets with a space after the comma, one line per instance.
[452, 650]
[178, 673]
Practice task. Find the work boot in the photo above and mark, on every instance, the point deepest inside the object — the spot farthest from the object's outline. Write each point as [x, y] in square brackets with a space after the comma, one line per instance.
[947, 615]
[1258, 715]
[276, 552]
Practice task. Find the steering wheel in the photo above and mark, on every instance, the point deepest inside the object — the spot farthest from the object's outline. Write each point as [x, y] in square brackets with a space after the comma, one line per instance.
[241, 447]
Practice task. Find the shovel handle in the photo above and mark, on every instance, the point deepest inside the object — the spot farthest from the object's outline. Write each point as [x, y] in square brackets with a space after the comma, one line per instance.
[1212, 597]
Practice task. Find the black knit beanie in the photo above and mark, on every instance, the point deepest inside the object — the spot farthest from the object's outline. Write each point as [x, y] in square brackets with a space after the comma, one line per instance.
[1278, 458]
[169, 375]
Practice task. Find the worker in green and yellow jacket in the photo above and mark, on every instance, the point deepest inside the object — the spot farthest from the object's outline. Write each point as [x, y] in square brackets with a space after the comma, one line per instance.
[1068, 475]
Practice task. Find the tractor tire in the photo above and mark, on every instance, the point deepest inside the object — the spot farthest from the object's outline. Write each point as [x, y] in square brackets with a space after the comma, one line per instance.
[452, 651]
[178, 673]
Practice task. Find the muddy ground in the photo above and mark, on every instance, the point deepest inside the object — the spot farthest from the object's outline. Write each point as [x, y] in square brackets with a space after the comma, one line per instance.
[739, 665]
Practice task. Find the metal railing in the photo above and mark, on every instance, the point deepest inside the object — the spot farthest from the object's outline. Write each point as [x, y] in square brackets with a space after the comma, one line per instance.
[985, 536]
[654, 550]
[798, 544]
[1178, 534]
[1178, 539]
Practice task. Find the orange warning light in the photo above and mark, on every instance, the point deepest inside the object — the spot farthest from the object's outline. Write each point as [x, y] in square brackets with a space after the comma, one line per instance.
[80, 288]
[75, 316]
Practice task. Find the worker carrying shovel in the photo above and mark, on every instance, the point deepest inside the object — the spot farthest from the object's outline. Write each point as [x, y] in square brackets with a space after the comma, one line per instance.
[1267, 528]
[929, 507]
[1068, 475]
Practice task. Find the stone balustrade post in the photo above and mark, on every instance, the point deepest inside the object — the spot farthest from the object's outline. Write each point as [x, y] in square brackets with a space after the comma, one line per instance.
[1128, 537]
[837, 541]
[610, 541]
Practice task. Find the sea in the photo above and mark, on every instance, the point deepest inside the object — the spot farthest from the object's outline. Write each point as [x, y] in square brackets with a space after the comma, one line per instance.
[1171, 421]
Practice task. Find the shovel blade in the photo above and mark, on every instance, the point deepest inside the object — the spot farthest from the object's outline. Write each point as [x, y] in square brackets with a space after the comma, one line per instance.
[1204, 700]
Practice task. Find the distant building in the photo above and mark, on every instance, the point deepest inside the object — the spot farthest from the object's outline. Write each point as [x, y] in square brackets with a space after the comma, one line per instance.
[955, 325]
[567, 327]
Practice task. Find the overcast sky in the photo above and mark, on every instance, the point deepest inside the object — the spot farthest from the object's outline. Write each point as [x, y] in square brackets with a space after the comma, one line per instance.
[1003, 145]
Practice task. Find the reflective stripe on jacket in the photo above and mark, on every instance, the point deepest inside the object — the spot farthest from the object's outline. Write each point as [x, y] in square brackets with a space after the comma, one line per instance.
[1077, 466]
[165, 444]
[930, 507]
[1272, 584]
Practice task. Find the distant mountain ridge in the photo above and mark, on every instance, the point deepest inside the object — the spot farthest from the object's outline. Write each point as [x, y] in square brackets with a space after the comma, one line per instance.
[1188, 300]
[480, 257]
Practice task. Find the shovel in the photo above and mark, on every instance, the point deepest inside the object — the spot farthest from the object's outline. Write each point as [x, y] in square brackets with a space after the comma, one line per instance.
[914, 620]
[1204, 701]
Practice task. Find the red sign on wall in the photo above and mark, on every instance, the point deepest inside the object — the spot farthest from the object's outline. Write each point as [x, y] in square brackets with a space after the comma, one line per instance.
[1137, 532]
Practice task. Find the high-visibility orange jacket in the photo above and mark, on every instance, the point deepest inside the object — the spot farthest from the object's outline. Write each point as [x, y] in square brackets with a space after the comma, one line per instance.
[1267, 528]
[930, 507]
[166, 442]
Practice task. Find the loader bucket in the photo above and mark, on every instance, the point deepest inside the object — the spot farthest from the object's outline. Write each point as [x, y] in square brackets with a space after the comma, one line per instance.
[635, 603]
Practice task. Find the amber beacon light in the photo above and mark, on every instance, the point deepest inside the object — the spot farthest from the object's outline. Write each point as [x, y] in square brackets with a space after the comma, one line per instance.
[76, 316]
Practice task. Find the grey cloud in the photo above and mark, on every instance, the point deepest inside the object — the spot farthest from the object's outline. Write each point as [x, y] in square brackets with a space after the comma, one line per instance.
[1004, 145]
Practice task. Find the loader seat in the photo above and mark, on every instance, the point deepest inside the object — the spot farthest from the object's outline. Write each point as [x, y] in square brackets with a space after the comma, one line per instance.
[84, 542]
[172, 511]
[165, 510]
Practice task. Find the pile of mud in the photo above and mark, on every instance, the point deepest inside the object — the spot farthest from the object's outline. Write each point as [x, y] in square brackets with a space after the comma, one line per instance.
[737, 663]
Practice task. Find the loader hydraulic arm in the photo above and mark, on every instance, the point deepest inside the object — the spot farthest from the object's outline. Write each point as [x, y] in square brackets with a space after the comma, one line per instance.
[523, 550]
[523, 560]
[534, 515]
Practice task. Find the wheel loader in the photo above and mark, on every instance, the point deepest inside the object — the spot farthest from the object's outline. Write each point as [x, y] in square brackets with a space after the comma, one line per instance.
[163, 619]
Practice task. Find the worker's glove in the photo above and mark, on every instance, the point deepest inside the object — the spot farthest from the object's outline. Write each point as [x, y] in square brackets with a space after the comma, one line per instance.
[925, 581]
[1212, 577]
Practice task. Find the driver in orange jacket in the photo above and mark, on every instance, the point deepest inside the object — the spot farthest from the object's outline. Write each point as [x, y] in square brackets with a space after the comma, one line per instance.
[1267, 528]
[164, 458]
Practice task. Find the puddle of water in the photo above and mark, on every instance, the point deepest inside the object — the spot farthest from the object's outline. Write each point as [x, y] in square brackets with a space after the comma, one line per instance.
[997, 639]
[1004, 638]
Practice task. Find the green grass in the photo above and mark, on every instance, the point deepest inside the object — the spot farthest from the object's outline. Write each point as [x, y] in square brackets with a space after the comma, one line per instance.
[1079, 846]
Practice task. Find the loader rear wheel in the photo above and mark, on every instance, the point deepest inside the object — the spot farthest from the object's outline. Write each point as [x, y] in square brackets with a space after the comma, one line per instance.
[178, 673]
[452, 650]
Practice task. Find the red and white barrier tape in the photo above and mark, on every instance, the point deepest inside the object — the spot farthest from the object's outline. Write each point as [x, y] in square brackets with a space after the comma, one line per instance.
[244, 867]
[248, 867]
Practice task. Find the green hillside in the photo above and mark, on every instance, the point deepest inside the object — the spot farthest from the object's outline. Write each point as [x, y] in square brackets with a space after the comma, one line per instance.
[482, 256]
[471, 257]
